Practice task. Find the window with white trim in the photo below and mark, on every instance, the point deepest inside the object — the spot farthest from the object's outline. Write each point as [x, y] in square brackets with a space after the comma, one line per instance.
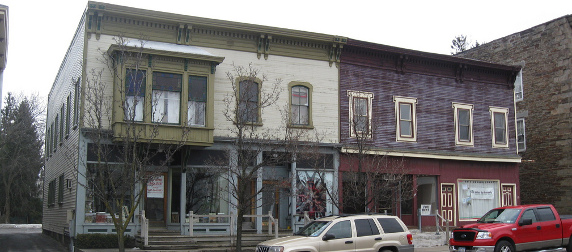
[360, 112]
[518, 93]
[520, 134]
[405, 113]
[499, 127]
[167, 97]
[197, 100]
[463, 124]
[135, 81]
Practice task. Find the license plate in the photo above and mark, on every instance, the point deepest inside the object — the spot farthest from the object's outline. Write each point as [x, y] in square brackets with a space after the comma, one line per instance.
[461, 249]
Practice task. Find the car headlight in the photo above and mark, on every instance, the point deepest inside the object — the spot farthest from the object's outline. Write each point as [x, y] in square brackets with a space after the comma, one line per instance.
[276, 249]
[484, 235]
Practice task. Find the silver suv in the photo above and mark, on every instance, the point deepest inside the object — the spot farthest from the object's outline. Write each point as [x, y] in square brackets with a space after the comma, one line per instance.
[375, 233]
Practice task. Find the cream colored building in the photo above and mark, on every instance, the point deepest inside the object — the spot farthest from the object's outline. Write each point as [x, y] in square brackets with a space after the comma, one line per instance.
[195, 53]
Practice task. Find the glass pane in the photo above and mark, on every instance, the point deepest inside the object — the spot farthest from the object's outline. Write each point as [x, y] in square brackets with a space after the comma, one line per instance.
[167, 81]
[196, 113]
[134, 108]
[300, 96]
[198, 88]
[405, 111]
[464, 133]
[360, 106]
[405, 128]
[341, 229]
[464, 118]
[248, 91]
[166, 106]
[135, 82]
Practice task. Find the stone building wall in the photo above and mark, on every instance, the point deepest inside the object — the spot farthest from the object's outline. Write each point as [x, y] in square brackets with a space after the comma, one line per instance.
[545, 52]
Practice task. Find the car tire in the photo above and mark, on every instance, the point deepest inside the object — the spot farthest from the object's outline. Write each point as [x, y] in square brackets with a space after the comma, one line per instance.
[385, 250]
[504, 246]
[569, 246]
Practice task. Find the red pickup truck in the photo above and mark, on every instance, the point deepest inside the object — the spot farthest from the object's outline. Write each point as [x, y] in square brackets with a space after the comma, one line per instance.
[514, 228]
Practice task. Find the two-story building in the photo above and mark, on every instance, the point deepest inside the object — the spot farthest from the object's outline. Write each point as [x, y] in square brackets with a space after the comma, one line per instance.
[446, 122]
[176, 84]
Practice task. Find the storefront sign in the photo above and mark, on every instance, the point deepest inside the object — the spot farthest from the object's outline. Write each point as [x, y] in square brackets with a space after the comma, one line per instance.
[156, 187]
[483, 193]
[425, 210]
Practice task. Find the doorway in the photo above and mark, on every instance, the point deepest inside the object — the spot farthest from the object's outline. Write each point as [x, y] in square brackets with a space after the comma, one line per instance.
[156, 200]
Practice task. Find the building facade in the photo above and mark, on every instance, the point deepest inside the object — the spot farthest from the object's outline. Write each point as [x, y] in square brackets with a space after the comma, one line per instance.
[179, 55]
[543, 108]
[445, 122]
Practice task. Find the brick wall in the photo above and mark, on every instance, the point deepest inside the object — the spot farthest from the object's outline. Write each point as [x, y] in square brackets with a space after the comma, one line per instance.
[545, 51]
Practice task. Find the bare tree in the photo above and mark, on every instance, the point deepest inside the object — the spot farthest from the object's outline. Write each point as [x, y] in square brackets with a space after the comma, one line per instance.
[125, 157]
[250, 146]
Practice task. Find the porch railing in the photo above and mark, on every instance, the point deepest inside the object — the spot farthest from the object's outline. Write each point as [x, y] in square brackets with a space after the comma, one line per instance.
[144, 228]
[437, 227]
[272, 222]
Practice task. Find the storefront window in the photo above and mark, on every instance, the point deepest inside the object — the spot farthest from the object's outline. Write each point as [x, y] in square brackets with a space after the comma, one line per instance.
[311, 194]
[95, 210]
[207, 191]
[476, 197]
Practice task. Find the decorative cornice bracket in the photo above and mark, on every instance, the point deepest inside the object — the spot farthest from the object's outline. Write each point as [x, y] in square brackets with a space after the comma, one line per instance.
[401, 63]
[460, 73]
[264, 46]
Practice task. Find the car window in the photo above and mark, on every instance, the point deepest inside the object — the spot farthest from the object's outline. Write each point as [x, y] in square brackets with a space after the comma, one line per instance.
[545, 214]
[366, 227]
[313, 229]
[342, 229]
[390, 225]
[529, 214]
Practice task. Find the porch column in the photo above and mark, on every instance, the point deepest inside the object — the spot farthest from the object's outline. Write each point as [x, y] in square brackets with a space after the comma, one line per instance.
[182, 206]
[294, 193]
[259, 195]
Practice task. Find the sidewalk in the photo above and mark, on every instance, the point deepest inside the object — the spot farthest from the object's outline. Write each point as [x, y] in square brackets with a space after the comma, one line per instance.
[429, 241]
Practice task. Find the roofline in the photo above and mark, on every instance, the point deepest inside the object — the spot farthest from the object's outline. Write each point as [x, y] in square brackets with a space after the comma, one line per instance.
[428, 55]
[200, 21]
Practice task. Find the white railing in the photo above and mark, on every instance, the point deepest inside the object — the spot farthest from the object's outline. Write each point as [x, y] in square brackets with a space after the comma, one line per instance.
[437, 227]
[144, 228]
[220, 218]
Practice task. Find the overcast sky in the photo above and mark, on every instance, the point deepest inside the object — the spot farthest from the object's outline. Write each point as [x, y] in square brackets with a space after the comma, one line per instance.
[40, 31]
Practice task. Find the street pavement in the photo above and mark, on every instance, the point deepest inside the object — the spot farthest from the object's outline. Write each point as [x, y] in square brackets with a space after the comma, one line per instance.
[29, 238]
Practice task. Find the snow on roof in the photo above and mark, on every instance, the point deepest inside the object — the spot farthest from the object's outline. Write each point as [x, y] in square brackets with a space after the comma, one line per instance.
[167, 47]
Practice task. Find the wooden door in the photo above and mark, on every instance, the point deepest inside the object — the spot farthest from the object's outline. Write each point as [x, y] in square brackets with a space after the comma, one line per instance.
[448, 203]
[508, 195]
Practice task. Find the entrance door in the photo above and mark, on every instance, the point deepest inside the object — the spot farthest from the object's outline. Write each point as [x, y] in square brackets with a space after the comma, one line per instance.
[448, 203]
[155, 200]
[275, 199]
[508, 195]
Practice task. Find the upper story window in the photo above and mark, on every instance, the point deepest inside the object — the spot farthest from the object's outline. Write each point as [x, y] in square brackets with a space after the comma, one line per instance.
[300, 105]
[520, 135]
[248, 102]
[166, 97]
[499, 126]
[135, 82]
[518, 94]
[197, 103]
[360, 111]
[405, 111]
[463, 124]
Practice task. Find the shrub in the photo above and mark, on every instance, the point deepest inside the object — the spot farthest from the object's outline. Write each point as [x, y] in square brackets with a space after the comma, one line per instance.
[89, 241]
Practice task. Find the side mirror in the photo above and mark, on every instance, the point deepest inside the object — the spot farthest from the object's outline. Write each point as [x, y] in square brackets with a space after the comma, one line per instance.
[524, 222]
[328, 237]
